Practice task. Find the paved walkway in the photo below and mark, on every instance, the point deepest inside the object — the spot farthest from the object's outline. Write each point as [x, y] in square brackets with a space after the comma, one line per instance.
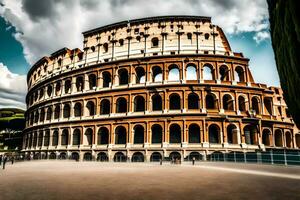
[93, 180]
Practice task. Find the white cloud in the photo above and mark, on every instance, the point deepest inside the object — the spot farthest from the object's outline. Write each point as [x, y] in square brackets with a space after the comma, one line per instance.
[261, 36]
[13, 88]
[45, 26]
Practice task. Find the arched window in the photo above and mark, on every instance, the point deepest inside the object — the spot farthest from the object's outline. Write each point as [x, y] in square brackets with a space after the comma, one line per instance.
[106, 79]
[103, 136]
[40, 139]
[194, 133]
[224, 73]
[105, 47]
[36, 117]
[227, 102]
[123, 76]
[67, 110]
[121, 105]
[65, 137]
[154, 42]
[156, 102]
[140, 75]
[76, 137]
[91, 108]
[46, 138]
[206, 36]
[250, 134]
[68, 86]
[242, 104]
[232, 137]
[77, 110]
[191, 72]
[49, 113]
[193, 101]
[297, 138]
[156, 74]
[211, 101]
[41, 93]
[120, 135]
[57, 88]
[88, 136]
[157, 134]
[42, 115]
[268, 105]
[55, 138]
[105, 107]
[174, 74]
[49, 90]
[266, 137]
[255, 104]
[288, 139]
[174, 102]
[138, 134]
[175, 133]
[278, 138]
[57, 112]
[92, 81]
[214, 134]
[189, 36]
[208, 72]
[239, 74]
[139, 104]
[79, 84]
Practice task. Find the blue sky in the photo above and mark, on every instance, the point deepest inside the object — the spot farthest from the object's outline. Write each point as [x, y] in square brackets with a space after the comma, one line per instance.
[30, 29]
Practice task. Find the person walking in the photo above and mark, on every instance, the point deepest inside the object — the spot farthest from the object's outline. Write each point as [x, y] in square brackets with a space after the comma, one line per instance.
[12, 160]
[4, 162]
[193, 160]
[0, 160]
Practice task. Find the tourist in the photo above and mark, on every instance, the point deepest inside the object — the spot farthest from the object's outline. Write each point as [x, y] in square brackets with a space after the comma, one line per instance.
[12, 160]
[193, 160]
[0, 159]
[4, 162]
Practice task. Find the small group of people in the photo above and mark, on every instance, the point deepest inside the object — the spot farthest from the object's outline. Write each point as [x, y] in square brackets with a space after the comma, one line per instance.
[4, 159]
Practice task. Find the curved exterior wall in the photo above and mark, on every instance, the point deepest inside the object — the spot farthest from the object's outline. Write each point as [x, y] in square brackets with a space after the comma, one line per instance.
[163, 86]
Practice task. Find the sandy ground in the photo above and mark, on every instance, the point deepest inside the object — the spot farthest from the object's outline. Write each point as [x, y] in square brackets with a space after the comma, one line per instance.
[91, 180]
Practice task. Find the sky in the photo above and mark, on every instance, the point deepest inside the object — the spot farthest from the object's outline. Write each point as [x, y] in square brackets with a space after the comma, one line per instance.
[31, 29]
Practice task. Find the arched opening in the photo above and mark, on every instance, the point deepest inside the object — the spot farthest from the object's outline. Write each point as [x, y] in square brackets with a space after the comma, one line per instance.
[278, 138]
[155, 157]
[36, 117]
[224, 73]
[52, 156]
[41, 93]
[156, 74]
[106, 79]
[62, 156]
[154, 42]
[102, 157]
[91, 108]
[77, 110]
[174, 74]
[42, 115]
[121, 105]
[76, 137]
[227, 102]
[194, 133]
[92, 81]
[156, 102]
[268, 105]
[49, 90]
[47, 138]
[232, 136]
[119, 157]
[57, 112]
[87, 157]
[68, 84]
[139, 104]
[103, 136]
[138, 134]
[175, 134]
[89, 136]
[297, 138]
[255, 105]
[40, 140]
[105, 107]
[65, 137]
[208, 72]
[191, 72]
[195, 155]
[239, 74]
[174, 102]
[137, 157]
[66, 111]
[123, 76]
[288, 139]
[266, 137]
[120, 135]
[75, 156]
[193, 101]
[57, 88]
[214, 134]
[242, 104]
[79, 84]
[55, 138]
[211, 101]
[175, 156]
[156, 134]
[49, 113]
[140, 75]
[105, 47]
[250, 134]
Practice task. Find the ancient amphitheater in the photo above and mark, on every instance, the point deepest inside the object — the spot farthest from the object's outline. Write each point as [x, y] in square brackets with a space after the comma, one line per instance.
[150, 89]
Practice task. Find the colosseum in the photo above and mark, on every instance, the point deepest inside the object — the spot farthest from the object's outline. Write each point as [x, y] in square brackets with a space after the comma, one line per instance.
[166, 87]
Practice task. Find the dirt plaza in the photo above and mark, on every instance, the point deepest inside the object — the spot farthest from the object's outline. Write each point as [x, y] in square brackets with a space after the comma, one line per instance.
[96, 180]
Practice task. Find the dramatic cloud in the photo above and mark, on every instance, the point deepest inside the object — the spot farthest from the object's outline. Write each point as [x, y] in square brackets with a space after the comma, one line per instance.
[12, 88]
[47, 25]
